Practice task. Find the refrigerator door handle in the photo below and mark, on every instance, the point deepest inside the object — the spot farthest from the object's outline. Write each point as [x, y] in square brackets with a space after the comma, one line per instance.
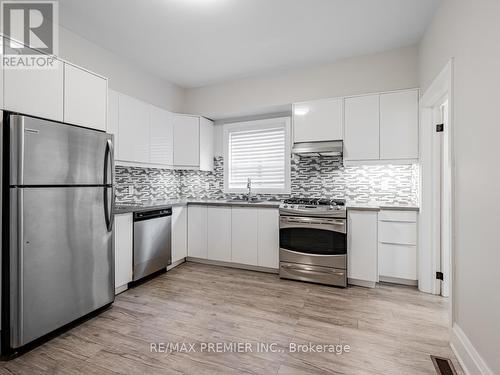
[109, 203]
[17, 128]
[17, 269]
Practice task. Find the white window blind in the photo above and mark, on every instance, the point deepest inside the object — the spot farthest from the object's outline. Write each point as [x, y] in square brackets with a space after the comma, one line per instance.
[258, 154]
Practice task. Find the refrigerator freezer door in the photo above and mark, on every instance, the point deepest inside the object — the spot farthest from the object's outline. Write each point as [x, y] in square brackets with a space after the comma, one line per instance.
[61, 258]
[50, 153]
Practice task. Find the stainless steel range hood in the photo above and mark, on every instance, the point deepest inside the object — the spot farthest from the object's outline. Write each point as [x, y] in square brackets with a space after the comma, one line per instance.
[327, 148]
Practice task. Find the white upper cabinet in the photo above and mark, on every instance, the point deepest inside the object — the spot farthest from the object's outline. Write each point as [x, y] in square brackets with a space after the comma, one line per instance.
[399, 125]
[134, 130]
[318, 120]
[85, 98]
[1, 87]
[361, 128]
[186, 141]
[162, 137]
[35, 92]
[206, 145]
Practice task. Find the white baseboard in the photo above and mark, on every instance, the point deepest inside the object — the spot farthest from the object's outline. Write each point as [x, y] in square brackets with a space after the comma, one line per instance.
[363, 283]
[470, 360]
[176, 263]
[121, 289]
[398, 280]
[233, 265]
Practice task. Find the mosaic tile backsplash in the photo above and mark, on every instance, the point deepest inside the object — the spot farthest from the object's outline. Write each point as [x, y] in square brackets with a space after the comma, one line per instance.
[324, 177]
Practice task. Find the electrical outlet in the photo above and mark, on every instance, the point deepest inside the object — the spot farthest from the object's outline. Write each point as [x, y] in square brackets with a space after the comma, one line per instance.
[131, 190]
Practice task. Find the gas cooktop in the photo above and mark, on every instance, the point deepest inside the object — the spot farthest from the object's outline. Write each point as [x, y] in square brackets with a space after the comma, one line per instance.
[318, 207]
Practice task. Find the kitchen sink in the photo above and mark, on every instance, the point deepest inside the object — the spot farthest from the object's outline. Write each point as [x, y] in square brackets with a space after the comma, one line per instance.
[244, 200]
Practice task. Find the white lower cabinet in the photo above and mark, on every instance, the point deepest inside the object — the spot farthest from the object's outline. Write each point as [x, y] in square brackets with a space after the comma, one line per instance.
[124, 228]
[219, 233]
[397, 263]
[244, 242]
[268, 237]
[241, 235]
[362, 248]
[179, 233]
[397, 246]
[197, 231]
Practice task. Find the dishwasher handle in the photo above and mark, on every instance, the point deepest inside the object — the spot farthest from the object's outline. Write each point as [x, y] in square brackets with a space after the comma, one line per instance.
[152, 214]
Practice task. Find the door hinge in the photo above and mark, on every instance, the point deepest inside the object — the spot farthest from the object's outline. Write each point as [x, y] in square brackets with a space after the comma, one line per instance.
[439, 276]
[439, 128]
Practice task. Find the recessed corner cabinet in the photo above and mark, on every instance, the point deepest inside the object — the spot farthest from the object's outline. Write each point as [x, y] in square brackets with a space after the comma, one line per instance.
[148, 135]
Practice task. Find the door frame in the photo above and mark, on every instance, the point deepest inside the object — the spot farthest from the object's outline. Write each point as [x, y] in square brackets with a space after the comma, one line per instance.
[430, 185]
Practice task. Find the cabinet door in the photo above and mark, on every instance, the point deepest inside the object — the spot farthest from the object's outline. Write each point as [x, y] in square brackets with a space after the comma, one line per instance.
[268, 237]
[179, 233]
[206, 145]
[112, 122]
[319, 120]
[162, 137]
[362, 246]
[397, 261]
[219, 233]
[35, 92]
[197, 232]
[85, 98]
[361, 128]
[244, 241]
[186, 141]
[123, 249]
[134, 129]
[399, 125]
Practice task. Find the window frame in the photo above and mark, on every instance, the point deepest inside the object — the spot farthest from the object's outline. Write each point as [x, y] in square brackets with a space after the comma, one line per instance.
[258, 125]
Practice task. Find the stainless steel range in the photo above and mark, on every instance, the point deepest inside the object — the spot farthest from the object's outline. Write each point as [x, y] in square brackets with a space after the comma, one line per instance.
[313, 241]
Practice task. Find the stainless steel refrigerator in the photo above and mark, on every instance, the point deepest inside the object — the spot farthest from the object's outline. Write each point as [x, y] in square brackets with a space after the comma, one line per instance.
[57, 226]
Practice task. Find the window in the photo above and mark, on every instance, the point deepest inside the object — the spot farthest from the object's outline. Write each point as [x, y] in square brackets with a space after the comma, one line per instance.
[258, 150]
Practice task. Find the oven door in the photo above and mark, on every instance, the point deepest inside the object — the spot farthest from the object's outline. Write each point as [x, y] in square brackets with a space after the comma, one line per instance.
[313, 241]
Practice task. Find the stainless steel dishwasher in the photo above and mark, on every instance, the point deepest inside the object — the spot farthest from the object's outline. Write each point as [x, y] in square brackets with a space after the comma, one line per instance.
[152, 245]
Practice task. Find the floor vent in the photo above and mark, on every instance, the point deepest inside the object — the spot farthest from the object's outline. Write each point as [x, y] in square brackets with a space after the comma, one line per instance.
[443, 366]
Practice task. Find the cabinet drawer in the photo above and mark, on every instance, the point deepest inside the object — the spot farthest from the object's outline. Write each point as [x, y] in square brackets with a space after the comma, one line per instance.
[405, 216]
[397, 261]
[397, 233]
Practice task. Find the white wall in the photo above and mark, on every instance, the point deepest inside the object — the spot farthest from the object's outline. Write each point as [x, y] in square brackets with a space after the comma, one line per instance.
[396, 69]
[123, 76]
[469, 31]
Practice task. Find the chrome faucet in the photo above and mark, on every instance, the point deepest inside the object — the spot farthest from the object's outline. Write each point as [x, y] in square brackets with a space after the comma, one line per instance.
[249, 187]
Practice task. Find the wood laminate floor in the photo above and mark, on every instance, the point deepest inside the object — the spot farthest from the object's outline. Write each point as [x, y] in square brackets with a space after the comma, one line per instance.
[390, 329]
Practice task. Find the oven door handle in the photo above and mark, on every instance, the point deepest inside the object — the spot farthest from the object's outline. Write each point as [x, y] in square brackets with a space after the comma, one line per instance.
[305, 269]
[313, 223]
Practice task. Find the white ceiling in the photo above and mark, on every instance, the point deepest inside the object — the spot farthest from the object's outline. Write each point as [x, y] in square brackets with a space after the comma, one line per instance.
[199, 42]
